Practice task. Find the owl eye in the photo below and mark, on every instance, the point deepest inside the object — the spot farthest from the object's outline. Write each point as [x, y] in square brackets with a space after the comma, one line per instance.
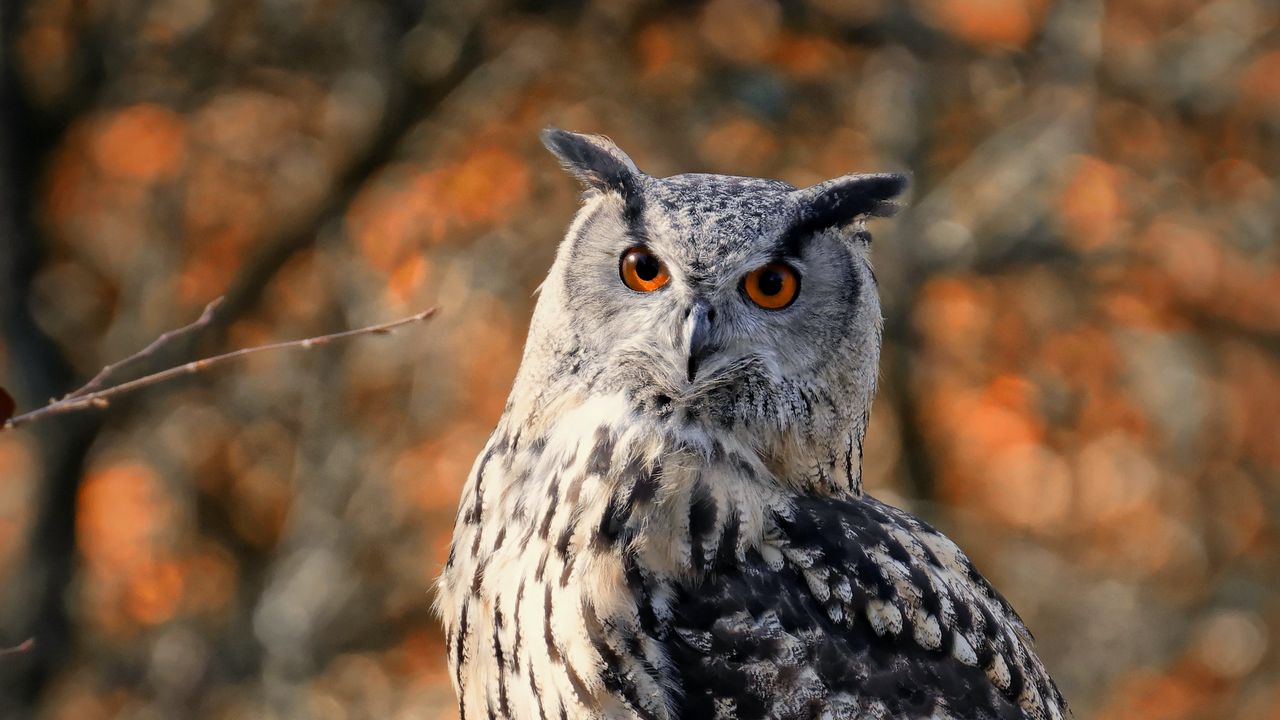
[642, 271]
[773, 286]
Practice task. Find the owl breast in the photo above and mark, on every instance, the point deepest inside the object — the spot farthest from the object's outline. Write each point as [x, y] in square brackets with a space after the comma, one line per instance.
[567, 551]
[613, 567]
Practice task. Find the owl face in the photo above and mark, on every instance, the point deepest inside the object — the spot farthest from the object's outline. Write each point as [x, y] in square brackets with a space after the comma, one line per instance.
[728, 299]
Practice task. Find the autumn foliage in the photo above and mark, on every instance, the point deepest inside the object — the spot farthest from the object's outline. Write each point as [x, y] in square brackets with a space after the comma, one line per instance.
[1081, 378]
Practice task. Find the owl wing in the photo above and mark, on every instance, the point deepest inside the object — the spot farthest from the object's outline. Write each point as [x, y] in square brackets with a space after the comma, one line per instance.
[855, 610]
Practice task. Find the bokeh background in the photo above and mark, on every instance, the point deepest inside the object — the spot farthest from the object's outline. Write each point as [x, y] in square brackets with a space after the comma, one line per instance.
[1081, 378]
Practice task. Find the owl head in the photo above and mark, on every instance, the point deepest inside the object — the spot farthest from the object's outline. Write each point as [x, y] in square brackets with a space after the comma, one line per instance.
[730, 304]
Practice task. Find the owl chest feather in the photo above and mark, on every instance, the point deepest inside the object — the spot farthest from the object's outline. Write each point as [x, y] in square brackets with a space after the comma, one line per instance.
[610, 568]
[565, 547]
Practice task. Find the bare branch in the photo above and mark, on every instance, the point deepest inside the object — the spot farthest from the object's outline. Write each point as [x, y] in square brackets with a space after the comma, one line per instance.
[25, 646]
[98, 380]
[102, 398]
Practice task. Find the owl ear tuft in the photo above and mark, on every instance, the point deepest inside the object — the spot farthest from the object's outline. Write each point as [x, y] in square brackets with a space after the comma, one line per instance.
[593, 159]
[840, 201]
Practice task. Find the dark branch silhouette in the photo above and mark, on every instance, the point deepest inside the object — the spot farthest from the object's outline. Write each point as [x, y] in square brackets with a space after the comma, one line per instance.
[93, 394]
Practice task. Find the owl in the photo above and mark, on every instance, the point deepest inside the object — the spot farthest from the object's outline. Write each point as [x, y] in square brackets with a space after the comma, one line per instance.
[669, 519]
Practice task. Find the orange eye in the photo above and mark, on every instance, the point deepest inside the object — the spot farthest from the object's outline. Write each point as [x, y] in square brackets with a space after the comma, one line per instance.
[642, 271]
[773, 286]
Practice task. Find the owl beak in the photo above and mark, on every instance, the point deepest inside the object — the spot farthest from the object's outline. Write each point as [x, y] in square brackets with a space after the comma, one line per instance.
[697, 332]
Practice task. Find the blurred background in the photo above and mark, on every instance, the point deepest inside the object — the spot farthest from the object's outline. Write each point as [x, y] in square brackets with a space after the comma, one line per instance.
[1081, 379]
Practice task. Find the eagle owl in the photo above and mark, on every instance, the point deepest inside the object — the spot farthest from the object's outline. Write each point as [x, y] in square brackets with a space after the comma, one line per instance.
[669, 521]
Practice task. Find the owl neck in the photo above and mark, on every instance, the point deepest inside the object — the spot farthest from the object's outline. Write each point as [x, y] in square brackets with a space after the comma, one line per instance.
[602, 475]
[802, 440]
[612, 446]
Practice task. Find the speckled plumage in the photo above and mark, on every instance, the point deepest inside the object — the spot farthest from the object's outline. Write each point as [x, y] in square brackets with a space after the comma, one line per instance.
[648, 537]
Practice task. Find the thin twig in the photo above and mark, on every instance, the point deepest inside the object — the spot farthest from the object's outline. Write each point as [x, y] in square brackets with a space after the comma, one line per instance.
[25, 646]
[102, 398]
[98, 380]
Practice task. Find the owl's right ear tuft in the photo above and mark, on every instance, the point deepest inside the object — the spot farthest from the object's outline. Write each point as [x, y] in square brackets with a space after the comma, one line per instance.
[593, 159]
[844, 199]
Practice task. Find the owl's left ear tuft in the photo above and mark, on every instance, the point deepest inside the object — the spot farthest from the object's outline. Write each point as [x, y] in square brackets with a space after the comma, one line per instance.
[842, 200]
[593, 159]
